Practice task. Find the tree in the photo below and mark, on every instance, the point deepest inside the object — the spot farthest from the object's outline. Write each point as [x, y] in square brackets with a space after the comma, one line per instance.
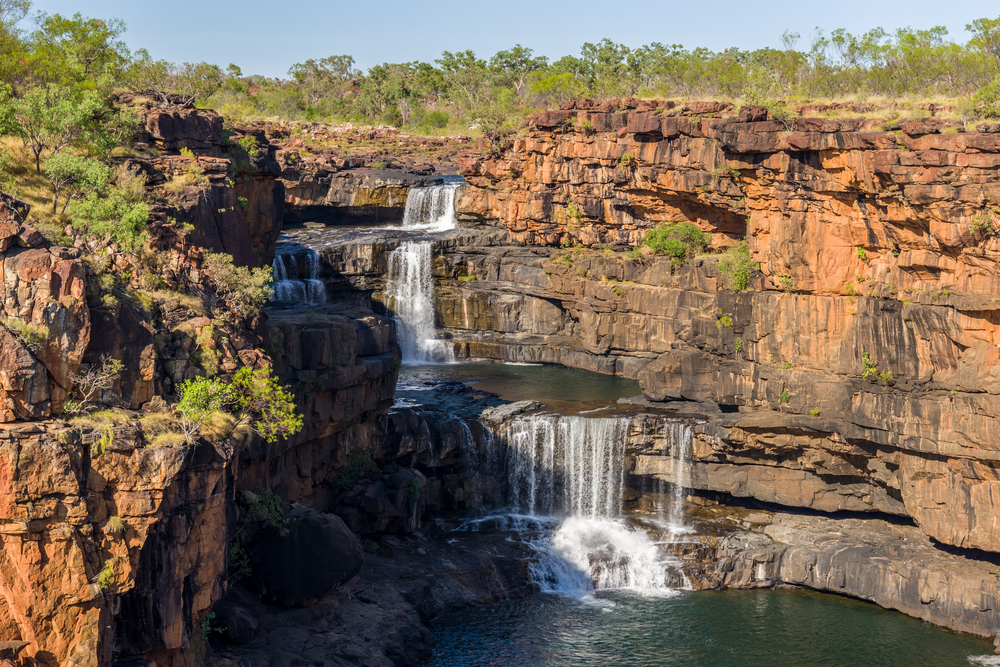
[49, 118]
[173, 84]
[78, 50]
[78, 176]
[986, 36]
[246, 290]
[93, 382]
[326, 77]
[114, 215]
[513, 66]
[254, 398]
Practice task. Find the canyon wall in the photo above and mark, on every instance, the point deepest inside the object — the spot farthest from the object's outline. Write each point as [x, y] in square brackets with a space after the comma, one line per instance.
[873, 237]
[859, 369]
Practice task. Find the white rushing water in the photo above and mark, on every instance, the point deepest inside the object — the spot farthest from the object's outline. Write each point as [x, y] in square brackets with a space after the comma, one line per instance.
[298, 284]
[568, 475]
[410, 292]
[431, 209]
[677, 439]
[410, 283]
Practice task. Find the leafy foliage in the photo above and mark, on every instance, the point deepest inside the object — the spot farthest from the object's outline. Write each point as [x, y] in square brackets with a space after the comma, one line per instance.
[90, 384]
[245, 290]
[254, 398]
[117, 214]
[679, 240]
[32, 336]
[75, 177]
[737, 265]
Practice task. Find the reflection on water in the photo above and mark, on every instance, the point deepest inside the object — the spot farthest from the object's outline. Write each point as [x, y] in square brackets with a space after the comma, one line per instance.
[563, 389]
[704, 629]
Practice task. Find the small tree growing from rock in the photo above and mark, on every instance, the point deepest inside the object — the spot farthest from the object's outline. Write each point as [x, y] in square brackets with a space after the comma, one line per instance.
[254, 398]
[92, 383]
[245, 290]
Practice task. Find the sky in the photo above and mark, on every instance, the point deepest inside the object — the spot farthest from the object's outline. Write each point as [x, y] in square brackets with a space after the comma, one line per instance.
[267, 37]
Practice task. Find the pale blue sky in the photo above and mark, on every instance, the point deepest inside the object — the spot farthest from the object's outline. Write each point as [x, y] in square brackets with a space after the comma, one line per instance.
[266, 37]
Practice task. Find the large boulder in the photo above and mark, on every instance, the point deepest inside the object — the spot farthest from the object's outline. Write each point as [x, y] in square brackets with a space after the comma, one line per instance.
[682, 373]
[313, 554]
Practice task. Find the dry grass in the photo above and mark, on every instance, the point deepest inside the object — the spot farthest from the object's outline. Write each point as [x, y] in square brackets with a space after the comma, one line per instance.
[104, 419]
[158, 423]
[168, 440]
[219, 427]
[35, 189]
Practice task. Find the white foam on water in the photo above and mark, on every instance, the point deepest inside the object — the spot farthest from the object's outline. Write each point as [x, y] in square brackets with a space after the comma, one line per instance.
[565, 484]
[296, 285]
[410, 291]
[985, 660]
[431, 209]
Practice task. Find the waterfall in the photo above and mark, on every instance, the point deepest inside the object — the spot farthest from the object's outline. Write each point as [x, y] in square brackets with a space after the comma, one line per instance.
[410, 292]
[291, 285]
[677, 439]
[565, 490]
[431, 208]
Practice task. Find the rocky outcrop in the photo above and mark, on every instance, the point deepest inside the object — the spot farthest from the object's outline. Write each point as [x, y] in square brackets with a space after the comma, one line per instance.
[893, 565]
[320, 191]
[869, 242]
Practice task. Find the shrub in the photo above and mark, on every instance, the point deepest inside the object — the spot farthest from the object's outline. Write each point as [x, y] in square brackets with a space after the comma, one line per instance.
[868, 367]
[628, 161]
[738, 345]
[862, 254]
[115, 215]
[679, 240]
[784, 396]
[587, 126]
[32, 336]
[105, 579]
[737, 265]
[253, 398]
[786, 283]
[115, 526]
[437, 119]
[814, 413]
[246, 290]
[986, 101]
[414, 492]
[90, 384]
[359, 463]
[886, 378]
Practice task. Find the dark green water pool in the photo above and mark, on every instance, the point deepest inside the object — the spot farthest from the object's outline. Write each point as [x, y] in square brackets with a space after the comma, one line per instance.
[560, 388]
[785, 628]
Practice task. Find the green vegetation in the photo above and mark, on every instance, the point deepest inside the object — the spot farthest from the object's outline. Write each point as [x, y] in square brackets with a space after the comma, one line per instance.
[869, 368]
[814, 412]
[32, 336]
[737, 265]
[862, 254]
[784, 397]
[245, 290]
[414, 492]
[264, 505]
[786, 283]
[358, 464]
[678, 240]
[253, 399]
[105, 579]
[738, 345]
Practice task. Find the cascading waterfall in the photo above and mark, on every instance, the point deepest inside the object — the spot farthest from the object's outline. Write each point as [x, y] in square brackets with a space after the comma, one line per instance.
[568, 475]
[410, 284]
[431, 208]
[410, 291]
[677, 439]
[289, 283]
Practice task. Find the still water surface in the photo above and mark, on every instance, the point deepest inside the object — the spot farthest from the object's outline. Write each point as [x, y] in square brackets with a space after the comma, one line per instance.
[784, 628]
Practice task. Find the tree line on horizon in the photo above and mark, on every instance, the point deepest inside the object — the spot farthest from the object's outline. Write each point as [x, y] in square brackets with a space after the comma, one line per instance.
[462, 91]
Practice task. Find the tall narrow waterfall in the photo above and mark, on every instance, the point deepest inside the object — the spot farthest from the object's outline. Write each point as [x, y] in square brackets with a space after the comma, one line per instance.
[677, 441]
[297, 284]
[410, 291]
[431, 208]
[568, 473]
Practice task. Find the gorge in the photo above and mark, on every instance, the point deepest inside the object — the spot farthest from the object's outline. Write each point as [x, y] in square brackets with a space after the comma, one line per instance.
[648, 439]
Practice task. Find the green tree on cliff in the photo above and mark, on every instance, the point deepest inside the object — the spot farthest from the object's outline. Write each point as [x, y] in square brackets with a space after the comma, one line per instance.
[253, 398]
